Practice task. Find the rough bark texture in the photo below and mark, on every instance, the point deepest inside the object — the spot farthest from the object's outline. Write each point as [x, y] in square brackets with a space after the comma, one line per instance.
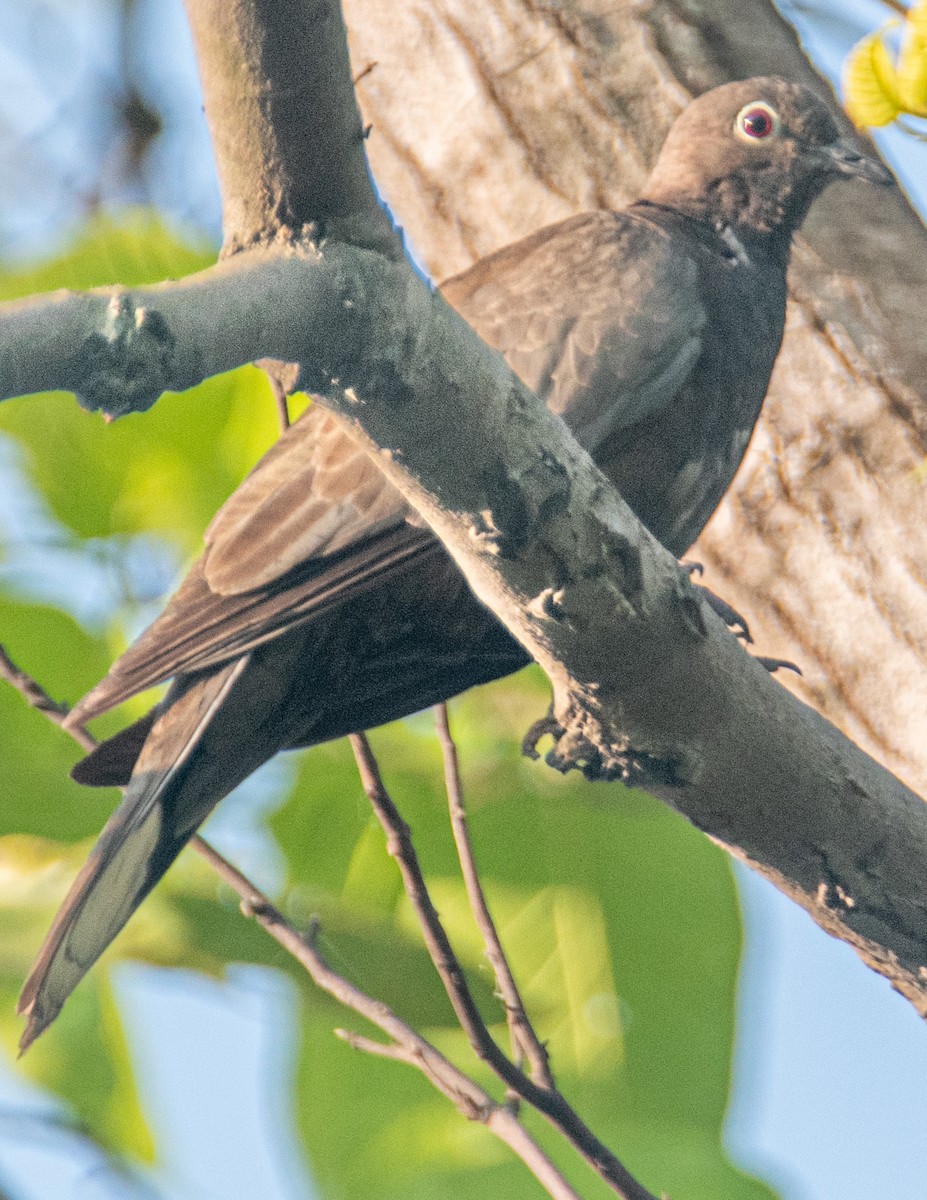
[492, 120]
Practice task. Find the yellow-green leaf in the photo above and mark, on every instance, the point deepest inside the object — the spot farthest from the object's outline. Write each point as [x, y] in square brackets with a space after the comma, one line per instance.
[912, 62]
[871, 83]
[916, 19]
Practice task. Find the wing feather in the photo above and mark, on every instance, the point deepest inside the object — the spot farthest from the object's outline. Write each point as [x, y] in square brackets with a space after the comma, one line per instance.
[313, 494]
[201, 628]
[605, 355]
[138, 843]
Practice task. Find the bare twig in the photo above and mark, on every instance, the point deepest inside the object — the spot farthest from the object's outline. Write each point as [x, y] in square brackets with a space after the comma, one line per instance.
[552, 1104]
[39, 699]
[407, 1046]
[282, 378]
[524, 1038]
[280, 399]
[896, 6]
[399, 845]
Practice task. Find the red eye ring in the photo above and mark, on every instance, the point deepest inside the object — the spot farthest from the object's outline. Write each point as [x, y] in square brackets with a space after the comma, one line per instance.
[757, 121]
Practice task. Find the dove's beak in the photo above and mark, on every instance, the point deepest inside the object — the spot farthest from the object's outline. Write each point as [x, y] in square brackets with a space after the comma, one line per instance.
[843, 158]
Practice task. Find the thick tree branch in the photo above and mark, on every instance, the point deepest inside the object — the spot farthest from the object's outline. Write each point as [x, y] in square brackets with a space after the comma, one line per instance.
[265, 65]
[645, 678]
[118, 349]
[821, 542]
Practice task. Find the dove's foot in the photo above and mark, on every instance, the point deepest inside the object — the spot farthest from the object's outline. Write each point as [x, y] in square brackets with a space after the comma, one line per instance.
[728, 614]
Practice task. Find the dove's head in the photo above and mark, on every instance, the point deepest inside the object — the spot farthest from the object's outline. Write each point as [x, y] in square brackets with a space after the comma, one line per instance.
[753, 155]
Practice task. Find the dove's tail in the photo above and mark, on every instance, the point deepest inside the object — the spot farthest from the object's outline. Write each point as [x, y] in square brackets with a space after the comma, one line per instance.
[203, 741]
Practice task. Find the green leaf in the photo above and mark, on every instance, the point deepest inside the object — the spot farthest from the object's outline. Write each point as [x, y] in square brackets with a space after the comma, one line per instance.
[621, 920]
[166, 471]
[37, 796]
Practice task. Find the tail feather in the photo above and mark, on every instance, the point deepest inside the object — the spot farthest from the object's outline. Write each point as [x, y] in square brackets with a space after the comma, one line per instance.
[163, 806]
[112, 762]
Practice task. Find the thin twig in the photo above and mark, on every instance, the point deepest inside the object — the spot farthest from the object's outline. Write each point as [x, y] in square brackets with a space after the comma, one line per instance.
[281, 401]
[552, 1104]
[399, 845]
[524, 1038]
[282, 378]
[408, 1046]
[38, 698]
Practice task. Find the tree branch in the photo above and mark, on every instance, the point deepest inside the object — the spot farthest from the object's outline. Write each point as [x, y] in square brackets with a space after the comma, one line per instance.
[265, 65]
[551, 1103]
[118, 349]
[524, 1039]
[821, 541]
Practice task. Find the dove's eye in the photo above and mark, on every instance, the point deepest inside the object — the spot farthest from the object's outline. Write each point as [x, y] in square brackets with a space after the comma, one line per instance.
[757, 121]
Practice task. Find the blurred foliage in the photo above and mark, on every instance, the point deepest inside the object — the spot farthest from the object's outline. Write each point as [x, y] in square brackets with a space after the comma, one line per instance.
[96, 115]
[622, 921]
[882, 84]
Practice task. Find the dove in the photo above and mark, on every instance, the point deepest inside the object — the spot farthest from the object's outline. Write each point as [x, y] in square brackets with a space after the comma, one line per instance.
[322, 607]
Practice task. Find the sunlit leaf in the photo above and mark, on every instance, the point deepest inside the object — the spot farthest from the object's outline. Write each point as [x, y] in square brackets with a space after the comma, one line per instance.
[871, 83]
[37, 795]
[912, 62]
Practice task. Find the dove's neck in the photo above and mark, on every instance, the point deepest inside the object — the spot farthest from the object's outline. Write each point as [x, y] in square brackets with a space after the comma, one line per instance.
[739, 245]
[762, 217]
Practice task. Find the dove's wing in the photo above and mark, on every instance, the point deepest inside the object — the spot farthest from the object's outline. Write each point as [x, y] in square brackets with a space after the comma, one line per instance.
[600, 316]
